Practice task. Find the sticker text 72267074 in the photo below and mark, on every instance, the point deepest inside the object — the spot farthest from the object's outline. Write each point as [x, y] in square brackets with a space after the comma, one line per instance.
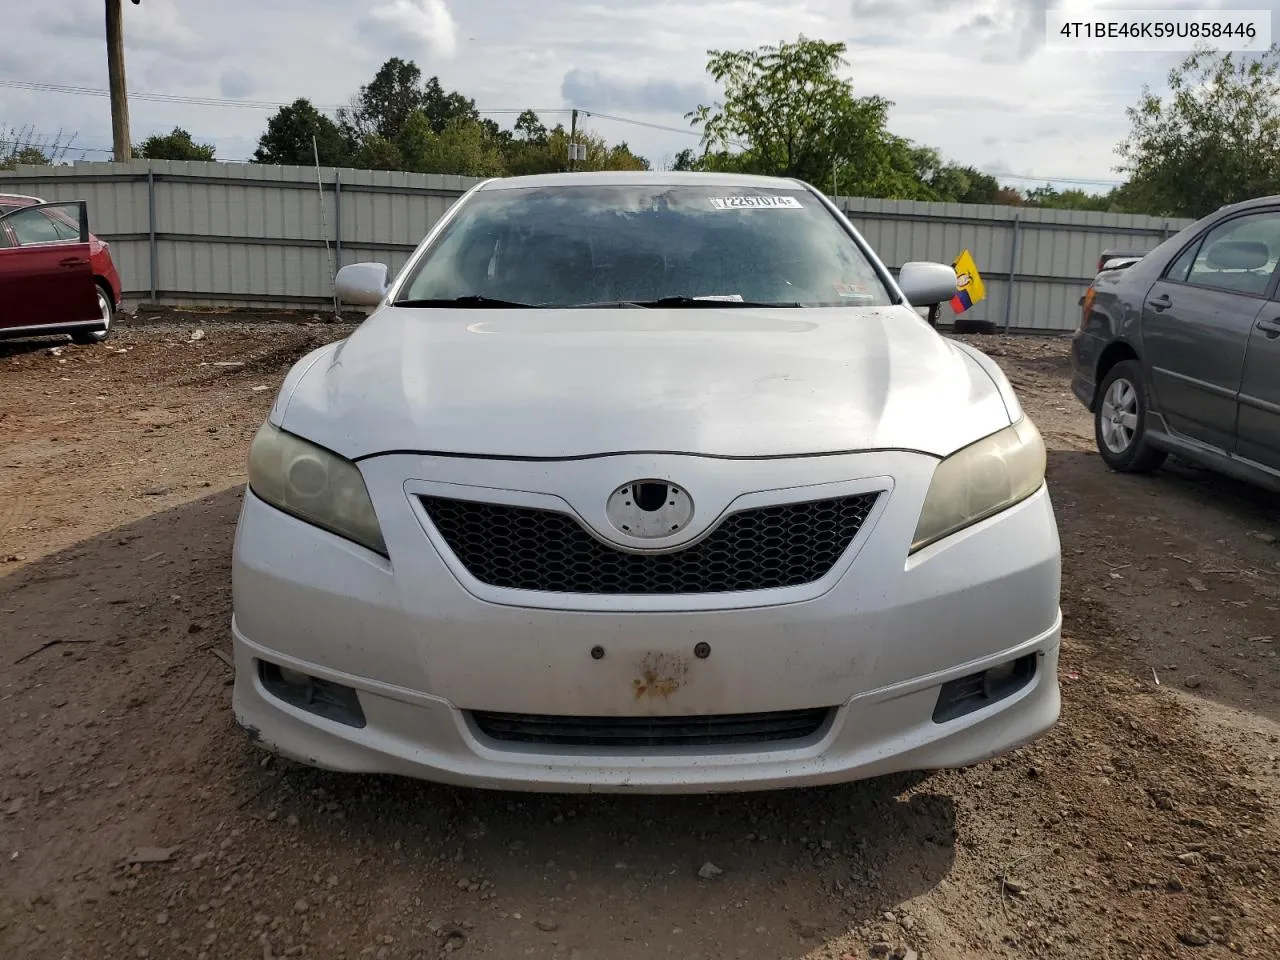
[755, 203]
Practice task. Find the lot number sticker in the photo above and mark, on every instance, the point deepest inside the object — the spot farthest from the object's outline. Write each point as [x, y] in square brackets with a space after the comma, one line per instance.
[755, 203]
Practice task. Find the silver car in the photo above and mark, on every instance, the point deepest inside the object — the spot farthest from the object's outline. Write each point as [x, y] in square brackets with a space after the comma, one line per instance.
[646, 482]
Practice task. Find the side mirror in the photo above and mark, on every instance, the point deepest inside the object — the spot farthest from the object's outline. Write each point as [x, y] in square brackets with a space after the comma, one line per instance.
[924, 283]
[364, 284]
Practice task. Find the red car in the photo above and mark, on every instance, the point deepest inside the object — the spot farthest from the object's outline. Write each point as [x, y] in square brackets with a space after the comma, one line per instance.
[55, 276]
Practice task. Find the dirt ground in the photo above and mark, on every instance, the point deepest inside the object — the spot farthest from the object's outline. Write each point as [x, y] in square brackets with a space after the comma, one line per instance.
[136, 820]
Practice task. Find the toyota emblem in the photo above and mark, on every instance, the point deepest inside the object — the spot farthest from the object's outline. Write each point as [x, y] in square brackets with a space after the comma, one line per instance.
[649, 509]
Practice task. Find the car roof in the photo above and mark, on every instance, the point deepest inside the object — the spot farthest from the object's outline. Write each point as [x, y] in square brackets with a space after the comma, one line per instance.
[19, 196]
[638, 178]
[1269, 201]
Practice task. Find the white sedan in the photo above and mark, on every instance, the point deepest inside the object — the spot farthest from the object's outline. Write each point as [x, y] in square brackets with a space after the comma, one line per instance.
[645, 482]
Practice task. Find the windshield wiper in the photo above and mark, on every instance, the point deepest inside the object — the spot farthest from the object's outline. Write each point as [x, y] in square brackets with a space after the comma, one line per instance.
[680, 302]
[473, 300]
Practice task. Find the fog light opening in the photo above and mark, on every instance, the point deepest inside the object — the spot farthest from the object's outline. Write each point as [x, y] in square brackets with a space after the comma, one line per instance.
[994, 680]
[326, 699]
[963, 696]
[295, 679]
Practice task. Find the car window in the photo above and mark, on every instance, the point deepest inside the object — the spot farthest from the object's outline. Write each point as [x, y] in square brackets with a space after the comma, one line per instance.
[570, 245]
[34, 226]
[62, 224]
[1182, 266]
[1239, 255]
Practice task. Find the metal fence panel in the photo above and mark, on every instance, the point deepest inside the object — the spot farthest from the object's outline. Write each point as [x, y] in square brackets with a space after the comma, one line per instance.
[260, 235]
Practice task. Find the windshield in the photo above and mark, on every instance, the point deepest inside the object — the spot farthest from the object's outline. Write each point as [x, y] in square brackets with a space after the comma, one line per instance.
[563, 246]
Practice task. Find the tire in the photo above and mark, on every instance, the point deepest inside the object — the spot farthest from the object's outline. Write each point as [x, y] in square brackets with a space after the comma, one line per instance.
[1120, 421]
[108, 314]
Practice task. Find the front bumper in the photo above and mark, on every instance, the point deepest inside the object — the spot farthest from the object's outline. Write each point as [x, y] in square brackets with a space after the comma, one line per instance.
[423, 648]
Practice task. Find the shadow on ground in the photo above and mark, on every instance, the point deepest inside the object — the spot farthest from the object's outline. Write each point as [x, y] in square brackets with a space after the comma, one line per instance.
[17, 348]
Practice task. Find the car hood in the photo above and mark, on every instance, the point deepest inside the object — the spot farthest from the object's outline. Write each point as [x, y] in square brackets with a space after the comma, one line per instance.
[735, 382]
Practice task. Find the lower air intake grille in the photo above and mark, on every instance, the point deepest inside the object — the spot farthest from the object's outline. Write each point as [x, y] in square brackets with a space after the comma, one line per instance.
[759, 549]
[700, 731]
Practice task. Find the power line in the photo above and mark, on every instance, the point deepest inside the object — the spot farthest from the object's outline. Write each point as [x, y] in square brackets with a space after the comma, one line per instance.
[1083, 181]
[640, 123]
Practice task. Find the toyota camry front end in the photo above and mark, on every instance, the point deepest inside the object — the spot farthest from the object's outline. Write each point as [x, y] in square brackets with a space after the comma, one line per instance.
[647, 482]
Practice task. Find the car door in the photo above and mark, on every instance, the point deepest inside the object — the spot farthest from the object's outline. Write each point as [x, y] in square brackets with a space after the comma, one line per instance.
[46, 276]
[1258, 424]
[1197, 320]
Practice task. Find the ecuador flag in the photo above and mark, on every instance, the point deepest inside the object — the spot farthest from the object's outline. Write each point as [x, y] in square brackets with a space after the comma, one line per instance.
[969, 288]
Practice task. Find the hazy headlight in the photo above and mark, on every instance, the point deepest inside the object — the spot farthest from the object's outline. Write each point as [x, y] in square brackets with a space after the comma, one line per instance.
[314, 485]
[980, 480]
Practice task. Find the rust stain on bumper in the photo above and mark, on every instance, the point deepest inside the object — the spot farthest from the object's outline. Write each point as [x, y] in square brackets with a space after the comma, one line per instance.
[661, 675]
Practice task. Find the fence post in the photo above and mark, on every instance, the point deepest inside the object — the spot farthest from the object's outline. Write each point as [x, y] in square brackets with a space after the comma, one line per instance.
[337, 216]
[337, 239]
[151, 228]
[1013, 271]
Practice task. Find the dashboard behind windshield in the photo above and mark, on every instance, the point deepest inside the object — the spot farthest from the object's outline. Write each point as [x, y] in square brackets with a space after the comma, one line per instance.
[578, 245]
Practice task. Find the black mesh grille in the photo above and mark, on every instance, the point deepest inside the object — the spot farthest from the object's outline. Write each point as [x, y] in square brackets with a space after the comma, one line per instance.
[765, 548]
[713, 730]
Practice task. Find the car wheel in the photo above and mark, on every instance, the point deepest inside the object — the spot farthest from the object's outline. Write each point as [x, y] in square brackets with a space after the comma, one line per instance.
[108, 313]
[1120, 421]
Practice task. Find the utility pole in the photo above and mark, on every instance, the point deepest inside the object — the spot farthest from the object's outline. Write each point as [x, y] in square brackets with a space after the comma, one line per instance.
[573, 137]
[115, 80]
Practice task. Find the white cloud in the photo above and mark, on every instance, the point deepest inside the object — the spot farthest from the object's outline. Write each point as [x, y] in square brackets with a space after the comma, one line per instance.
[414, 26]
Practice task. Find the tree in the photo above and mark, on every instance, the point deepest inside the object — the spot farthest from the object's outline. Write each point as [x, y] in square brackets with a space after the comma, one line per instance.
[464, 147]
[950, 182]
[529, 128]
[1009, 197]
[982, 187]
[378, 153]
[288, 137]
[789, 114]
[174, 145]
[600, 156]
[23, 145]
[384, 105]
[399, 122]
[685, 160]
[1215, 141]
[1050, 196]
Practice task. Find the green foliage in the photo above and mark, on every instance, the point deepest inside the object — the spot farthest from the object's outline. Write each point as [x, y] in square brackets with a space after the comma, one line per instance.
[396, 93]
[376, 152]
[288, 137]
[1048, 196]
[12, 157]
[685, 160]
[24, 146]
[399, 121]
[788, 113]
[174, 145]
[464, 147]
[1215, 141]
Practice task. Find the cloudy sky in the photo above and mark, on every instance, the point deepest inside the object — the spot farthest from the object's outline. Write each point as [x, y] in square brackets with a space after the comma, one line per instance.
[971, 77]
